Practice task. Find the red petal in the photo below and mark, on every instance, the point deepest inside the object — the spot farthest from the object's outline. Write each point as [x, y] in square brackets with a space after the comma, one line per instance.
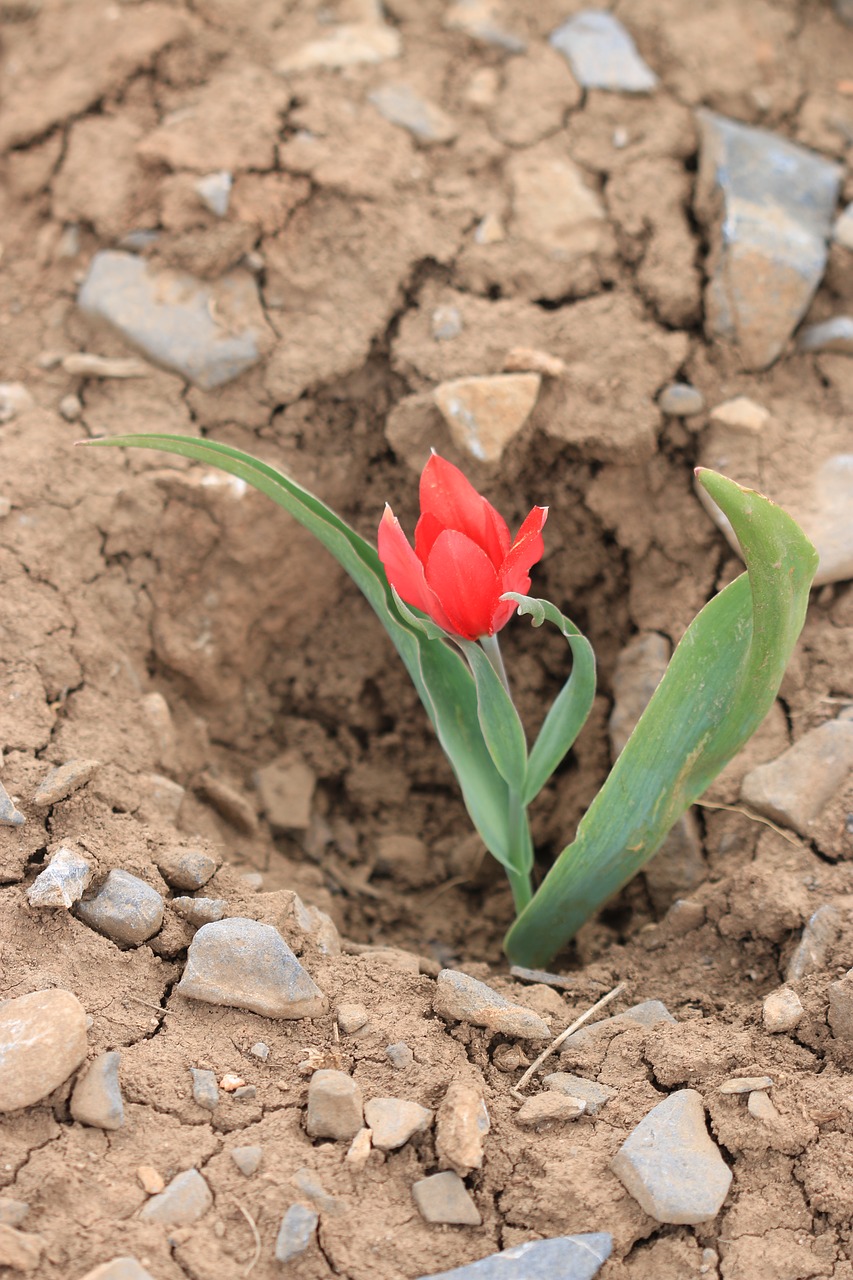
[426, 531]
[527, 549]
[453, 501]
[462, 577]
[404, 570]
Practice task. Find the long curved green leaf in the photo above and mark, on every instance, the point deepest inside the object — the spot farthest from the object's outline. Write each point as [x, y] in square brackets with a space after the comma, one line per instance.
[499, 723]
[719, 685]
[443, 681]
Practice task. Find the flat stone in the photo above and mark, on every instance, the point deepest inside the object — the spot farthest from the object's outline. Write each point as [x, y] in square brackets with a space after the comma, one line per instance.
[63, 781]
[186, 869]
[335, 1107]
[443, 1197]
[549, 1107]
[248, 965]
[670, 1165]
[205, 1088]
[207, 333]
[560, 1258]
[260, 1050]
[199, 911]
[63, 881]
[782, 1011]
[297, 1230]
[12, 1212]
[794, 788]
[679, 400]
[830, 335]
[214, 191]
[394, 1121]
[460, 998]
[594, 1095]
[741, 413]
[841, 1009]
[401, 105]
[485, 413]
[247, 1159]
[125, 909]
[602, 53]
[400, 1055]
[42, 1041]
[810, 953]
[186, 1199]
[461, 1126]
[481, 20]
[348, 45]
[745, 1084]
[351, 1017]
[760, 1107]
[768, 206]
[647, 1014]
[229, 803]
[96, 1099]
[119, 1269]
[19, 1250]
[286, 787]
[10, 814]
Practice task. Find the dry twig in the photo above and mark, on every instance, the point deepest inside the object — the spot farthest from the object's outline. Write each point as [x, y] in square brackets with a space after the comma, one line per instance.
[564, 1035]
[255, 1233]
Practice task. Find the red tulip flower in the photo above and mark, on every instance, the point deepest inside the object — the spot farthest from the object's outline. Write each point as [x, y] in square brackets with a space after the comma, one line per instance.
[464, 559]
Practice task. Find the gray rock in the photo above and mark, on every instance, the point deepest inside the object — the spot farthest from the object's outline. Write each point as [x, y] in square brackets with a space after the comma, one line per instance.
[42, 1041]
[446, 323]
[841, 1009]
[842, 232]
[602, 54]
[461, 1126]
[12, 1212]
[443, 1197]
[400, 1056]
[10, 814]
[811, 951]
[334, 1106]
[549, 1107]
[399, 104]
[63, 881]
[768, 205]
[830, 335]
[796, 786]
[351, 1017]
[214, 191]
[394, 1121]
[186, 1199]
[297, 1230]
[186, 869]
[782, 1011]
[670, 1165]
[679, 400]
[96, 1099]
[248, 965]
[119, 1269]
[561, 1258]
[460, 998]
[245, 1092]
[318, 926]
[309, 1186]
[260, 1050]
[247, 1159]
[205, 1088]
[199, 911]
[125, 909]
[207, 333]
[646, 1014]
[71, 407]
[594, 1095]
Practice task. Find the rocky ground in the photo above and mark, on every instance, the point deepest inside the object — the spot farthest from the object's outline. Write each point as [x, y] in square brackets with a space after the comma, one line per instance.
[255, 1019]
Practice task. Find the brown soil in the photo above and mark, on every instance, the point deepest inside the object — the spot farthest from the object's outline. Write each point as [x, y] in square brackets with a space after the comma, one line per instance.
[126, 575]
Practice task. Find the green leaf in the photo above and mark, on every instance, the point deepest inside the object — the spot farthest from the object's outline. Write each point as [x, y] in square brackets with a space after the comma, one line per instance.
[501, 728]
[569, 711]
[443, 681]
[718, 687]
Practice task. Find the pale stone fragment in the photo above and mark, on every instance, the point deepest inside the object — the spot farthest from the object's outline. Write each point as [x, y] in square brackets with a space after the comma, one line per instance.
[485, 413]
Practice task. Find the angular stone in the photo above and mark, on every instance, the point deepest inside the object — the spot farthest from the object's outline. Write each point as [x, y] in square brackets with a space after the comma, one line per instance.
[297, 1230]
[205, 1088]
[460, 998]
[670, 1165]
[481, 19]
[830, 335]
[214, 191]
[10, 814]
[461, 1126]
[602, 54]
[549, 1107]
[347, 45]
[646, 1014]
[485, 413]
[227, 801]
[247, 1159]
[335, 1107]
[760, 1107]
[351, 1017]
[186, 1199]
[12, 1212]
[443, 1197]
[841, 1009]
[64, 781]
[782, 1011]
[594, 1095]
[552, 205]
[96, 1099]
[768, 205]
[186, 869]
[19, 1250]
[679, 400]
[125, 909]
[742, 414]
[560, 1258]
[394, 1121]
[63, 881]
[119, 1269]
[248, 965]
[207, 333]
[399, 104]
[42, 1041]
[820, 932]
[199, 911]
[794, 788]
[400, 1055]
[286, 787]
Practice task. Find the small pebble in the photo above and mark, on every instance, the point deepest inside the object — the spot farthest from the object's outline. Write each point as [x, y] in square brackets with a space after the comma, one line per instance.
[679, 400]
[71, 408]
[602, 54]
[42, 1041]
[761, 1107]
[186, 1199]
[260, 1050]
[214, 190]
[460, 998]
[811, 951]
[394, 1121]
[297, 1230]
[12, 1212]
[401, 105]
[85, 364]
[400, 1056]
[594, 1095]
[351, 1017]
[186, 869]
[648, 1013]
[246, 1093]
[461, 1126]
[485, 412]
[841, 1010]
[359, 1149]
[205, 1088]
[14, 399]
[199, 911]
[150, 1179]
[10, 814]
[253, 881]
[489, 230]
[444, 1198]
[230, 1083]
[335, 1107]
[782, 1011]
[125, 909]
[286, 787]
[795, 787]
[62, 882]
[446, 323]
[64, 781]
[830, 335]
[479, 19]
[96, 1100]
[549, 1107]
[247, 1159]
[510, 1057]
[745, 1084]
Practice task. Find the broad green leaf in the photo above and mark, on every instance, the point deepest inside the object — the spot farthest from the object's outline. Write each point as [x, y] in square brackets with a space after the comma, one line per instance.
[719, 685]
[443, 681]
[573, 703]
[418, 620]
[501, 728]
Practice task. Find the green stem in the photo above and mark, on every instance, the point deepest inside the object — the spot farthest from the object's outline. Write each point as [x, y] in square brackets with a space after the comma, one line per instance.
[492, 650]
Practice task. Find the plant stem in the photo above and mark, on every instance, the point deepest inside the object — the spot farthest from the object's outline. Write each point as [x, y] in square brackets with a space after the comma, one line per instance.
[492, 650]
